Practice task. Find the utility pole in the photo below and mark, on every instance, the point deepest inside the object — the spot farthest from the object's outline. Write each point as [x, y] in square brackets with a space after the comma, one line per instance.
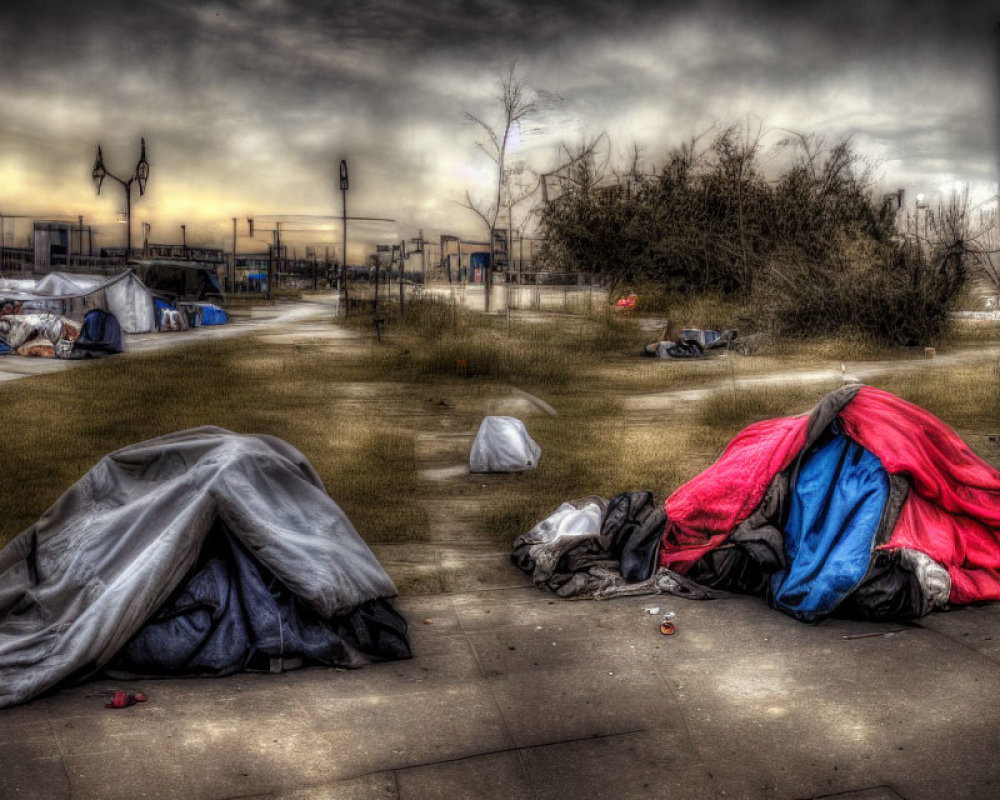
[344, 185]
[231, 277]
[423, 258]
[277, 242]
[184, 240]
[402, 270]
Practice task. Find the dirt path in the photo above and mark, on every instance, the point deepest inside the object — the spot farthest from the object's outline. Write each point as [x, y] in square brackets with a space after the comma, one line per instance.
[852, 372]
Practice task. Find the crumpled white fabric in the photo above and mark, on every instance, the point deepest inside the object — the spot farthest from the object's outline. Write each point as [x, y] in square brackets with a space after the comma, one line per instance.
[78, 583]
[563, 529]
[503, 445]
[934, 580]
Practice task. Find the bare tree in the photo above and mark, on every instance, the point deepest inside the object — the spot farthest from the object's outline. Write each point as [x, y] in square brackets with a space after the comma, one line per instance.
[985, 249]
[513, 108]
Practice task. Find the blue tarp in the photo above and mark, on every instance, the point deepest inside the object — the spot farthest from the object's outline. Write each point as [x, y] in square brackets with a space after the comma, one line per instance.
[100, 335]
[837, 502]
[213, 315]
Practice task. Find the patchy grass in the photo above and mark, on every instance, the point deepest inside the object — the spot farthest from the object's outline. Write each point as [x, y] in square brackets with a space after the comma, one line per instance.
[357, 410]
[65, 422]
[734, 407]
[964, 397]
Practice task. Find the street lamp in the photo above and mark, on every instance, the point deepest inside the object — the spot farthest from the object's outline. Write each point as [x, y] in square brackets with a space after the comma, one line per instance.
[344, 186]
[140, 174]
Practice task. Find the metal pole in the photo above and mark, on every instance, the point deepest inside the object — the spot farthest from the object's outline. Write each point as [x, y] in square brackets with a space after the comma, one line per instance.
[344, 185]
[231, 277]
[79, 251]
[402, 270]
[128, 221]
[423, 260]
[3, 240]
[270, 269]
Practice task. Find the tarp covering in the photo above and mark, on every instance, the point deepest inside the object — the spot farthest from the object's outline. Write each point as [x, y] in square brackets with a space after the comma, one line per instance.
[937, 509]
[503, 445]
[833, 517]
[123, 296]
[101, 335]
[199, 314]
[77, 585]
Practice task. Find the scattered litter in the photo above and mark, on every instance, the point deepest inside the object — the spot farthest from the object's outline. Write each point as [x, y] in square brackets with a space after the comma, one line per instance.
[125, 699]
[428, 622]
[653, 610]
[869, 635]
[611, 673]
[538, 627]
[670, 615]
[668, 628]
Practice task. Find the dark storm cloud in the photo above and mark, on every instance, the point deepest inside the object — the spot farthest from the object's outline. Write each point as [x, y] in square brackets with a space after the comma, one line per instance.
[251, 104]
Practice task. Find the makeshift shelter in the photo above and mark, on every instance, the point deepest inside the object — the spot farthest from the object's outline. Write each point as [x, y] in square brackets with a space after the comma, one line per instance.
[503, 445]
[201, 314]
[100, 335]
[868, 506]
[124, 296]
[188, 280]
[199, 552]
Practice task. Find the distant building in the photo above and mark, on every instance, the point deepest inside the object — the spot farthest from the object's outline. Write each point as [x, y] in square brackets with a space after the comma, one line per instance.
[171, 252]
[53, 243]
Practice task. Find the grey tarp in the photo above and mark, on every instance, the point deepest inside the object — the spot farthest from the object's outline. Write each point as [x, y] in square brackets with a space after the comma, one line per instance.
[503, 445]
[77, 584]
[123, 295]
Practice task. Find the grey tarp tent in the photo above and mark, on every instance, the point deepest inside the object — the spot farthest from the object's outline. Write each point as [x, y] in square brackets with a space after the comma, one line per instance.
[123, 296]
[78, 584]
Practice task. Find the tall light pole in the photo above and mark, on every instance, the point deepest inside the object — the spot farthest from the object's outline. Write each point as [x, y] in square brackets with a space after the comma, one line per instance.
[344, 186]
[140, 174]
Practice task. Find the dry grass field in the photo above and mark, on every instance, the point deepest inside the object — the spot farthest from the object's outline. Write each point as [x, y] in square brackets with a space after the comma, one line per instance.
[358, 410]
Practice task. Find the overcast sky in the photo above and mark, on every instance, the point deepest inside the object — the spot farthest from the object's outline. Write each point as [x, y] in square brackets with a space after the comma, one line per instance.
[248, 107]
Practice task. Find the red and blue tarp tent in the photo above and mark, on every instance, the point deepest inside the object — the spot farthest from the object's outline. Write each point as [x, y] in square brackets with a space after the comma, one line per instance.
[868, 505]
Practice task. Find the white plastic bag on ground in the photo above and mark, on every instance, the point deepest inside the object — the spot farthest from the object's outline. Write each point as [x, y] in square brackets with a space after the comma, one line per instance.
[503, 445]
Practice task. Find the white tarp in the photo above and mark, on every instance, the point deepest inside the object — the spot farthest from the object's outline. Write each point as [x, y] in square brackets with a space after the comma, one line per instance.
[124, 296]
[503, 445]
[78, 583]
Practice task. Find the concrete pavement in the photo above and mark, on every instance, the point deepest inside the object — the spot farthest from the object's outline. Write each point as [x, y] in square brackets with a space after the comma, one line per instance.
[514, 694]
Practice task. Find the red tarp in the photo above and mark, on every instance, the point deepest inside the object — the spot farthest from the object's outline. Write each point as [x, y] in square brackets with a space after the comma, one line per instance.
[952, 512]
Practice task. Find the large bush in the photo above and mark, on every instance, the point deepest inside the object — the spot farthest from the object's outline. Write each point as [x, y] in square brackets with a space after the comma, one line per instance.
[807, 241]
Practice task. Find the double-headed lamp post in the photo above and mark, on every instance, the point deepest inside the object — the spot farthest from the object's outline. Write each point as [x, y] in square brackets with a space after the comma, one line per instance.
[140, 174]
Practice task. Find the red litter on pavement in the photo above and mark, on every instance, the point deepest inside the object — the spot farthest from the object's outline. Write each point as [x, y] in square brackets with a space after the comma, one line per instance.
[124, 699]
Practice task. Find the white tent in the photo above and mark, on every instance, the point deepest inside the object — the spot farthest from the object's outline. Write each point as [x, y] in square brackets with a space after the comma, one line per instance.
[124, 296]
[503, 445]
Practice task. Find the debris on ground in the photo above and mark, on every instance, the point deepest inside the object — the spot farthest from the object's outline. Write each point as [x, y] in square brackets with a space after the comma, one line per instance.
[123, 699]
[695, 343]
[870, 635]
